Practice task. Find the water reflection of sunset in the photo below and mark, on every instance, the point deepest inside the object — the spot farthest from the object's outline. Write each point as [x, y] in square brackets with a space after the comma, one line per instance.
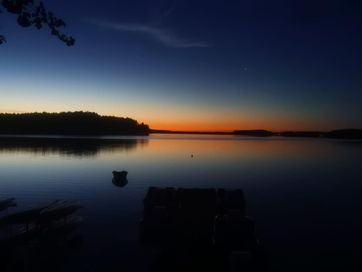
[211, 147]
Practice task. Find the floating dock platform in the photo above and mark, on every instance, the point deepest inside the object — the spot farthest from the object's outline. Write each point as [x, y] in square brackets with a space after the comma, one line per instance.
[200, 230]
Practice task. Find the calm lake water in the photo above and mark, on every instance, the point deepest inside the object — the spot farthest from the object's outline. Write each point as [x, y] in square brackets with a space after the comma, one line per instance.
[305, 195]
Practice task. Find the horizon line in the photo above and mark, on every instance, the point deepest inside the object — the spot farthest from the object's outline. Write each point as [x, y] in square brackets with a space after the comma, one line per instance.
[229, 131]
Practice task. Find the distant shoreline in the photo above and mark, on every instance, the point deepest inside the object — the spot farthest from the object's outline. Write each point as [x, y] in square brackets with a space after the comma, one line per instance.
[79, 124]
[334, 134]
[353, 134]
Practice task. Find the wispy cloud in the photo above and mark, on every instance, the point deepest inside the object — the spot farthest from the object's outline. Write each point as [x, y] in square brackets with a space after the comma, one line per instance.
[162, 35]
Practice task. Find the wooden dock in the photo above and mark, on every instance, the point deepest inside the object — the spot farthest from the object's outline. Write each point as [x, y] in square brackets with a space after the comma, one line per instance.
[200, 229]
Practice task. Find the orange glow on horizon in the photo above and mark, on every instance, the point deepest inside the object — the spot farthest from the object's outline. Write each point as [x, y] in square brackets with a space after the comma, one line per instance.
[271, 124]
[202, 122]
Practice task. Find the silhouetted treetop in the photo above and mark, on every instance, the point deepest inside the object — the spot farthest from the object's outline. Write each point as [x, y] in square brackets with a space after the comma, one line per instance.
[70, 123]
[31, 13]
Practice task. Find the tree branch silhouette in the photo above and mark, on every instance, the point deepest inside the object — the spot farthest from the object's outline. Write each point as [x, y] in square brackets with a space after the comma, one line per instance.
[34, 14]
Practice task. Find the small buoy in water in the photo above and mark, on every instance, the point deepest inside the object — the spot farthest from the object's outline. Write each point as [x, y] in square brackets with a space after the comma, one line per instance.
[120, 178]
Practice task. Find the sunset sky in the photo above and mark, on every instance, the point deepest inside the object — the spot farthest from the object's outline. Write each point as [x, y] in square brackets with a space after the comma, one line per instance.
[193, 65]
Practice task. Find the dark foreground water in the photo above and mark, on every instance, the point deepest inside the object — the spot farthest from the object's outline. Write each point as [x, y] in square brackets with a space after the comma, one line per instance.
[305, 195]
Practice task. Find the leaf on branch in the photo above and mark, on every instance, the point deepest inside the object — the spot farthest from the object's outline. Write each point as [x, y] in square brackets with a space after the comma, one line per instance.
[30, 14]
[2, 39]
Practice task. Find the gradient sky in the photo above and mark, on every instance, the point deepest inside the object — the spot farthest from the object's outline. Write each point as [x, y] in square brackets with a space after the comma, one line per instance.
[193, 65]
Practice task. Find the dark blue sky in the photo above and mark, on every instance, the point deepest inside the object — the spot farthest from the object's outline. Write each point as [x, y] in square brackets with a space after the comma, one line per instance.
[193, 64]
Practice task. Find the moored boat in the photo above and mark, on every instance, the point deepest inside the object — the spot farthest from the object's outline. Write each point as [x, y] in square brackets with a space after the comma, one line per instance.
[59, 209]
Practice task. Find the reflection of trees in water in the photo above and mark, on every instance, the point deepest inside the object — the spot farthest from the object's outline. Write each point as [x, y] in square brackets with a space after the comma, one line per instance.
[80, 147]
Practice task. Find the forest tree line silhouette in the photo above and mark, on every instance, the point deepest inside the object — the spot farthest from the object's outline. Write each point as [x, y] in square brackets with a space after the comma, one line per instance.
[70, 123]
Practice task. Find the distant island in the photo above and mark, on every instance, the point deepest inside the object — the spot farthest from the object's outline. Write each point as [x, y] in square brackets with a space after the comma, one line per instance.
[256, 132]
[69, 123]
[334, 134]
